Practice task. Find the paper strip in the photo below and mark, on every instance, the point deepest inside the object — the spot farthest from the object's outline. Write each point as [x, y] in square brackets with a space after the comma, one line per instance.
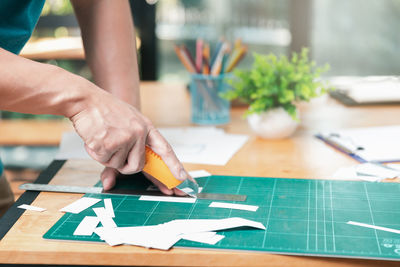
[233, 206]
[109, 207]
[105, 220]
[374, 227]
[209, 225]
[199, 173]
[210, 238]
[80, 205]
[87, 226]
[168, 199]
[30, 207]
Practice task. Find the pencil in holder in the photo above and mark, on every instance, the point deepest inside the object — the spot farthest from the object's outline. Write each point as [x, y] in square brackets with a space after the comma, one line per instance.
[208, 107]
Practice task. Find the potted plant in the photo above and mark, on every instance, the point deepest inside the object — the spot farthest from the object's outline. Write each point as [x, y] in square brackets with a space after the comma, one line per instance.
[272, 87]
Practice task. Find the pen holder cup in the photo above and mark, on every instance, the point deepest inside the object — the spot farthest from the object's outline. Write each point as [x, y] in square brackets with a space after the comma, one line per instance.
[208, 107]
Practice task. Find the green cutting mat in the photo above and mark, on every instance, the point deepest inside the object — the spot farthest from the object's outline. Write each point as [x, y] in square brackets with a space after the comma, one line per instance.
[302, 216]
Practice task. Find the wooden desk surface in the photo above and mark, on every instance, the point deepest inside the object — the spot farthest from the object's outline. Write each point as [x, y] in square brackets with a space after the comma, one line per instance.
[301, 156]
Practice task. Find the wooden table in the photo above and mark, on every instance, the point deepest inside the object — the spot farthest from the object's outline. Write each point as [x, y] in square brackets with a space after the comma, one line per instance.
[301, 156]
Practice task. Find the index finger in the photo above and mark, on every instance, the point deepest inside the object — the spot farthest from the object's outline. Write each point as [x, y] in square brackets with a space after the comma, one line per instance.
[160, 146]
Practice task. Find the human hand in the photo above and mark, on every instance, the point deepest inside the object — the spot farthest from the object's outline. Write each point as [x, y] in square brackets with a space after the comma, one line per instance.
[115, 134]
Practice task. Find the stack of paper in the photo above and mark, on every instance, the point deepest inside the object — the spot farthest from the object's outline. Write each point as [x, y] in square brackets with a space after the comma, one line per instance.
[372, 172]
[202, 145]
[164, 236]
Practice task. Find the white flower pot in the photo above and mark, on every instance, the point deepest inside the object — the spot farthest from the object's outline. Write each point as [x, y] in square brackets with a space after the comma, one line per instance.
[273, 124]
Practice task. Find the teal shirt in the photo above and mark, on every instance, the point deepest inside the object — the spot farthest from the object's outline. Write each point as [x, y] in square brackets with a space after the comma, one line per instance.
[18, 18]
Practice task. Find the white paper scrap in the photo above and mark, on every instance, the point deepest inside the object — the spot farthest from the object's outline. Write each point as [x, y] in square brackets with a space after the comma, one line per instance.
[199, 173]
[168, 199]
[30, 207]
[164, 236]
[80, 205]
[209, 225]
[87, 226]
[378, 170]
[210, 238]
[109, 207]
[233, 206]
[104, 217]
[375, 227]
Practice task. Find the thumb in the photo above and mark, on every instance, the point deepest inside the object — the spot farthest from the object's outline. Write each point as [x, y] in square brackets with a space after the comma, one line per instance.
[108, 178]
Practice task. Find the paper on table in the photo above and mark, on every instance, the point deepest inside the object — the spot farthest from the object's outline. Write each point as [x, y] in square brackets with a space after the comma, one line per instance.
[199, 173]
[104, 218]
[30, 207]
[206, 145]
[87, 226]
[233, 206]
[379, 144]
[109, 207]
[203, 145]
[80, 205]
[378, 170]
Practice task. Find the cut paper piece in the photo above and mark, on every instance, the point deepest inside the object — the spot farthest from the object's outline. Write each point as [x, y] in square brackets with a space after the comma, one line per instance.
[210, 238]
[233, 206]
[30, 207]
[109, 207]
[104, 218]
[144, 236]
[80, 205]
[210, 225]
[199, 173]
[168, 199]
[374, 227]
[87, 226]
[164, 236]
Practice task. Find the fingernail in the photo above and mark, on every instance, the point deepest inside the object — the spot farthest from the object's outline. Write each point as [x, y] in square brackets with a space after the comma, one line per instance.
[107, 183]
[184, 175]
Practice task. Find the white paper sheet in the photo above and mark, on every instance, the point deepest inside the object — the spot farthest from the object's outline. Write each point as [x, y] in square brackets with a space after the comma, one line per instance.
[80, 205]
[87, 226]
[210, 238]
[199, 173]
[109, 207]
[202, 145]
[30, 207]
[104, 218]
[378, 170]
[375, 227]
[379, 144]
[233, 206]
[168, 199]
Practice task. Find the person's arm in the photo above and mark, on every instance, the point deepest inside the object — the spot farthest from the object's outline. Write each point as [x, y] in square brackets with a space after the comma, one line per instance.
[114, 132]
[110, 46]
[109, 40]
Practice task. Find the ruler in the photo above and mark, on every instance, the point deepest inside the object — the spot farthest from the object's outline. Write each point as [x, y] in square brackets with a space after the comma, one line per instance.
[118, 191]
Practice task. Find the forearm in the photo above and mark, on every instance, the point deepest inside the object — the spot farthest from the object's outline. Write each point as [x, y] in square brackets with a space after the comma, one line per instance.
[109, 40]
[31, 87]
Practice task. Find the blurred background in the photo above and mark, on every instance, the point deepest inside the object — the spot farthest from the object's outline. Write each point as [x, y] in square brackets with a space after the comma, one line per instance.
[358, 37]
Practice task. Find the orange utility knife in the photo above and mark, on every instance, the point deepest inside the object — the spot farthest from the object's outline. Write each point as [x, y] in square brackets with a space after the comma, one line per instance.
[157, 168]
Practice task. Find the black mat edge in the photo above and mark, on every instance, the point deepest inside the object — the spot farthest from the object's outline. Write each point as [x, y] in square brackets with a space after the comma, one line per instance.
[13, 214]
